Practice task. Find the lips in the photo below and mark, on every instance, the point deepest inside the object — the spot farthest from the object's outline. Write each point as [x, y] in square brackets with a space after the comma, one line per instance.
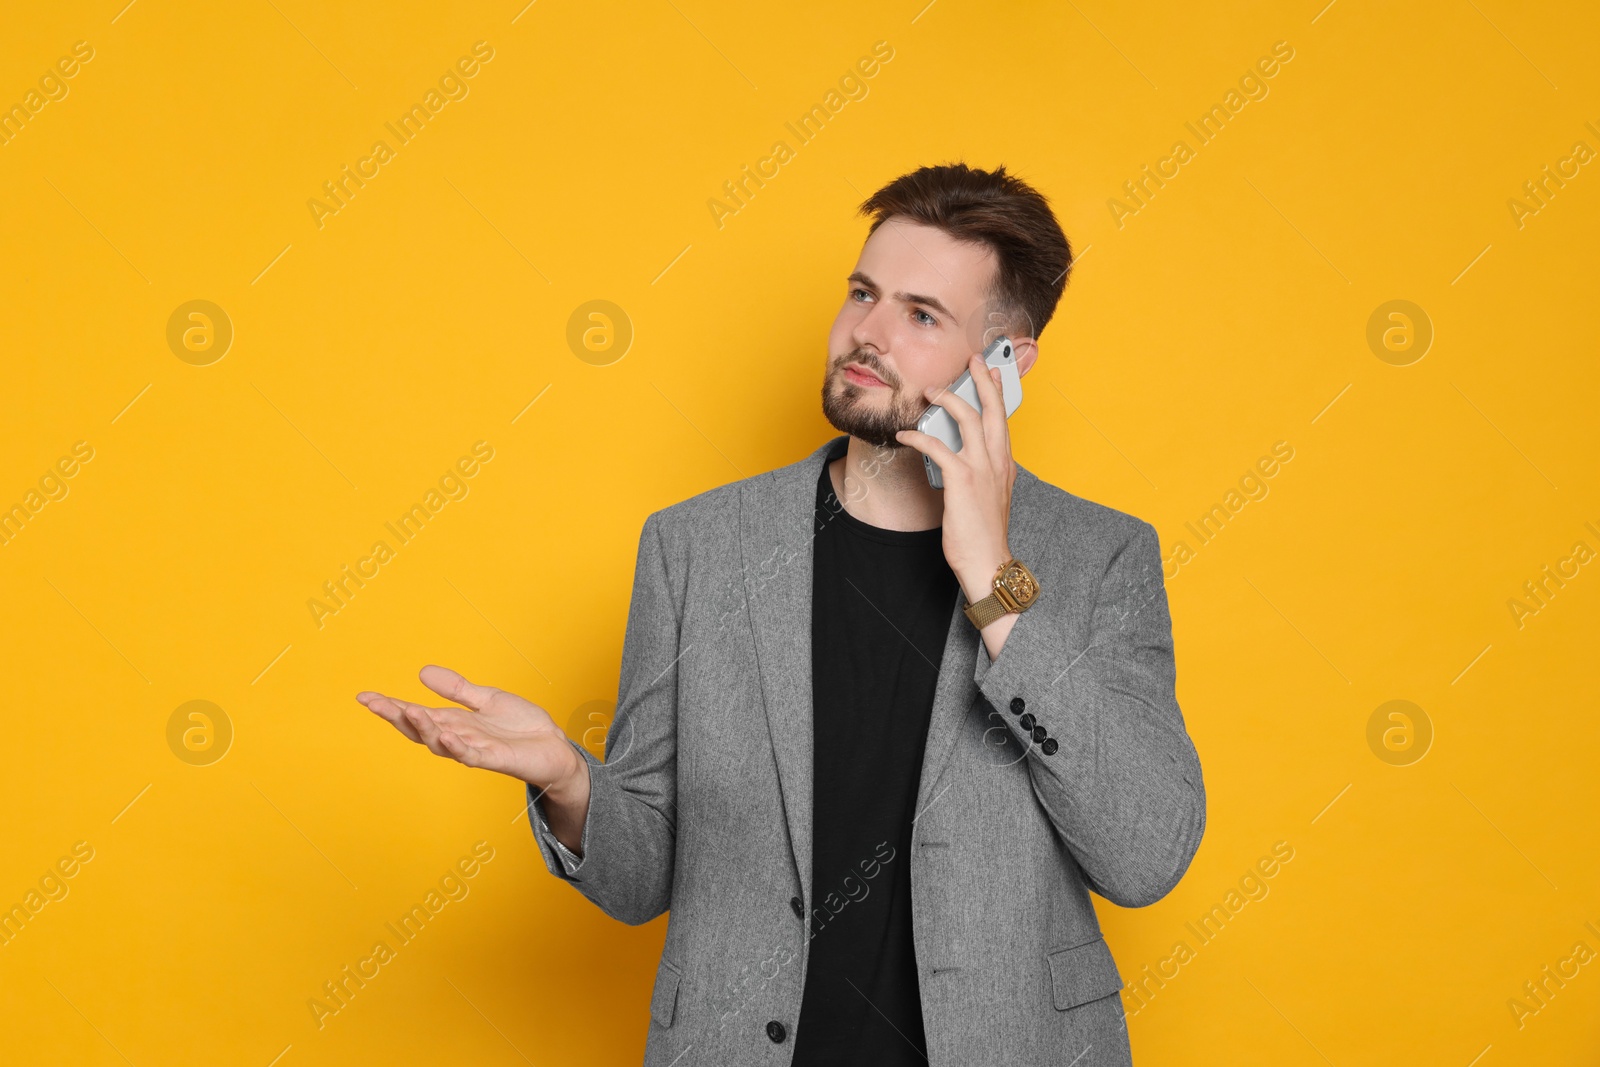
[861, 376]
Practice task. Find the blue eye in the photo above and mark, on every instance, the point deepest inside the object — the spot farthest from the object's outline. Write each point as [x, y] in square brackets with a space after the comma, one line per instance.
[931, 320]
[853, 292]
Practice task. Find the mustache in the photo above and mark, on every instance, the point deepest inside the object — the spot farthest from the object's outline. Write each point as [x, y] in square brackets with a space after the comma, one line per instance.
[871, 363]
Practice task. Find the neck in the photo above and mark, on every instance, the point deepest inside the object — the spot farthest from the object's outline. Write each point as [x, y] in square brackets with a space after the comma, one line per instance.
[887, 488]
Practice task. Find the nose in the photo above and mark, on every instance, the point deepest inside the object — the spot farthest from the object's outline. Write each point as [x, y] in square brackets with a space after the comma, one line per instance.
[872, 329]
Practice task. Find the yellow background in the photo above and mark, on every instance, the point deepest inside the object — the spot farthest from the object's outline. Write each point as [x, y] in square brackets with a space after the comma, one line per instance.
[1227, 314]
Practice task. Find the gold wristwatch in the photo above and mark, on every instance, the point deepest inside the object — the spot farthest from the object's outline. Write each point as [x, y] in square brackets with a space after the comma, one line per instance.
[1015, 588]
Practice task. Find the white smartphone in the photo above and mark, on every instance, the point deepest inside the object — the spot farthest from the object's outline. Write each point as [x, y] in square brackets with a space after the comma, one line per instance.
[937, 422]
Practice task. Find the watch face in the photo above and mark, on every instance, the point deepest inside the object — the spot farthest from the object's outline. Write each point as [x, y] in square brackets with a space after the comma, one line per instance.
[1020, 584]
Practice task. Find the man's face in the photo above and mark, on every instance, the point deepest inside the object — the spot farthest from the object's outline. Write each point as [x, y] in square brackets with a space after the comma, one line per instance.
[914, 312]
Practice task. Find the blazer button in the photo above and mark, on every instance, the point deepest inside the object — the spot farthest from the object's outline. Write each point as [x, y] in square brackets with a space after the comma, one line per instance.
[776, 1031]
[798, 908]
[1040, 735]
[1027, 722]
[1017, 704]
[1049, 747]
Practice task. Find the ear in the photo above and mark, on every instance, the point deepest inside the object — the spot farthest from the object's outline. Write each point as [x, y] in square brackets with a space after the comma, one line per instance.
[1027, 350]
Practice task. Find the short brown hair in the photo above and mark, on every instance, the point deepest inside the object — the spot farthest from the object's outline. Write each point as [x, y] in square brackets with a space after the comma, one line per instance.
[995, 209]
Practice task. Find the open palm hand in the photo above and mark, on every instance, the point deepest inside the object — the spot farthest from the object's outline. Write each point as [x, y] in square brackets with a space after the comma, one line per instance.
[496, 730]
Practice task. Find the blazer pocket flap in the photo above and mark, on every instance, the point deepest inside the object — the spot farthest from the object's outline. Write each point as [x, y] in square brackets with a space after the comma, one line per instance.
[664, 1000]
[1083, 973]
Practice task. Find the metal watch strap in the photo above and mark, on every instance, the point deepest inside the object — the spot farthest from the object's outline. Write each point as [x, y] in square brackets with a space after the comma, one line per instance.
[985, 611]
[992, 606]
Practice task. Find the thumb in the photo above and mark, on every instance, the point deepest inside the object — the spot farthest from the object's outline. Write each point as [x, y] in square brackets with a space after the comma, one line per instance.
[451, 685]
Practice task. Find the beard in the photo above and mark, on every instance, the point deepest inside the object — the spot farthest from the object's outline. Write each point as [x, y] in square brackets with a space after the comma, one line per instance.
[871, 413]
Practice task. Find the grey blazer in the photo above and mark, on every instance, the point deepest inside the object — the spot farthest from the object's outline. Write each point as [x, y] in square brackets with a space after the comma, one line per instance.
[703, 804]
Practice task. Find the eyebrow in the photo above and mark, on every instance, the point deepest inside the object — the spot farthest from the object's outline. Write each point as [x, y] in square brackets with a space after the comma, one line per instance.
[909, 298]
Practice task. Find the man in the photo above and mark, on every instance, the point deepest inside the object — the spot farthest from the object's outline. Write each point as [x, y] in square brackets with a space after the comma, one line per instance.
[876, 819]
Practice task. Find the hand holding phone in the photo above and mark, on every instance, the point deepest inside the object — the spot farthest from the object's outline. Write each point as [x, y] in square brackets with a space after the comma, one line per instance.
[937, 422]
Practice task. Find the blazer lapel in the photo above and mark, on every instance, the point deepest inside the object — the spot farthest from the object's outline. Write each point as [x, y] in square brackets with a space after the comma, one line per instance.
[777, 528]
[777, 525]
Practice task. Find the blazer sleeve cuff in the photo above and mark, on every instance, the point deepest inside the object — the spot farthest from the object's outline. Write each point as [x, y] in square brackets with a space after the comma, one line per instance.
[1017, 681]
[560, 859]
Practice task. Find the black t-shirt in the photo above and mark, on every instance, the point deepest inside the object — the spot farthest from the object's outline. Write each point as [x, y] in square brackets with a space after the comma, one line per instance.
[880, 612]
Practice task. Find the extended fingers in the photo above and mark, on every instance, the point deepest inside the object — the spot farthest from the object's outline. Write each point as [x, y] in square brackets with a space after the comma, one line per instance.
[451, 685]
[978, 428]
[458, 747]
[389, 709]
[930, 446]
[994, 403]
[965, 415]
[421, 720]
